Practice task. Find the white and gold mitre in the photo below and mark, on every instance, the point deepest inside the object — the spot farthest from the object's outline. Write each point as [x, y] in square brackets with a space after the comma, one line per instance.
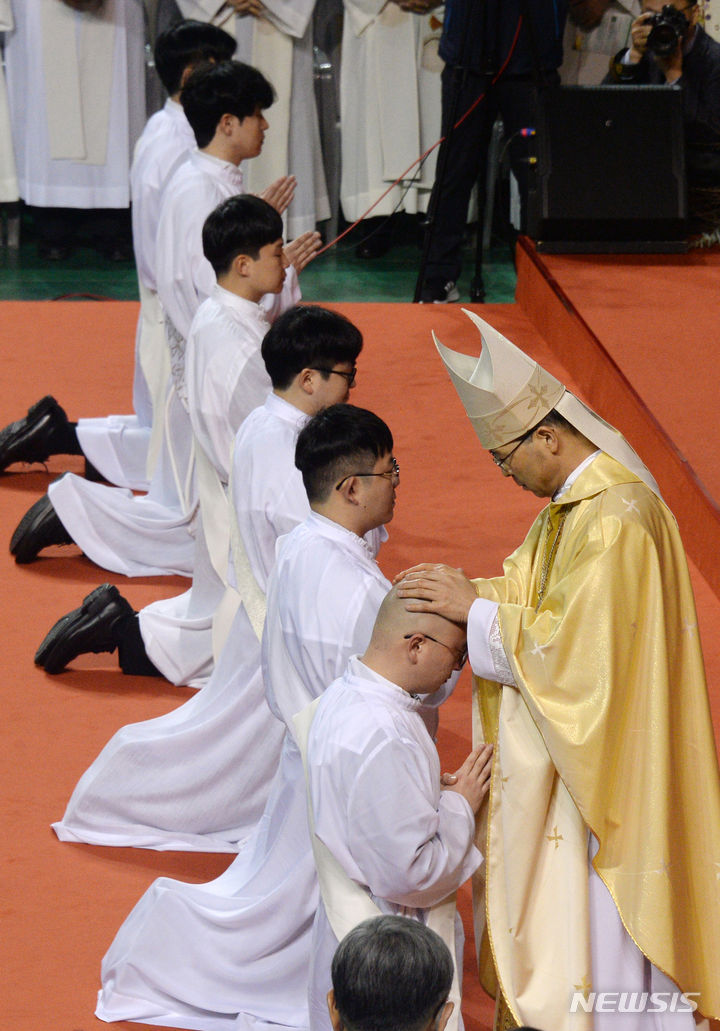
[505, 393]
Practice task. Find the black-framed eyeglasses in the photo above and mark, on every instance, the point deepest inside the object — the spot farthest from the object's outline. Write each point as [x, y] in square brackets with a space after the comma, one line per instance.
[460, 656]
[349, 376]
[392, 474]
[504, 463]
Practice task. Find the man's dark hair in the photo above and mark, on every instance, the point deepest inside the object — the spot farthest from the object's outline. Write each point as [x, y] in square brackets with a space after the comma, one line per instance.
[229, 88]
[239, 225]
[339, 441]
[305, 337]
[559, 422]
[189, 43]
[391, 973]
[554, 418]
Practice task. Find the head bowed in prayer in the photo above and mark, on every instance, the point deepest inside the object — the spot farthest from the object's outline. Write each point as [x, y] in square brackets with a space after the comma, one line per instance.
[187, 44]
[391, 973]
[337, 440]
[220, 91]
[349, 471]
[418, 651]
[516, 408]
[313, 339]
[242, 224]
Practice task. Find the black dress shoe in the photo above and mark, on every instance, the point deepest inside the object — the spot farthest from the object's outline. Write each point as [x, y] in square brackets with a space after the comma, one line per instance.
[39, 528]
[44, 431]
[97, 626]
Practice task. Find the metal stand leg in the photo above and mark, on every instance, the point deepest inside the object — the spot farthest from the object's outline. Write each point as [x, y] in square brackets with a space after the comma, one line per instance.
[486, 209]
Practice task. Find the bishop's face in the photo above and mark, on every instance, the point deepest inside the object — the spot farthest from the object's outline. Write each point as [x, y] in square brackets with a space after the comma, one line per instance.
[531, 463]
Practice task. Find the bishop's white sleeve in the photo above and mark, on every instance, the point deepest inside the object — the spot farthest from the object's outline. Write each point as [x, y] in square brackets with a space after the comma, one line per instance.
[485, 651]
[410, 852]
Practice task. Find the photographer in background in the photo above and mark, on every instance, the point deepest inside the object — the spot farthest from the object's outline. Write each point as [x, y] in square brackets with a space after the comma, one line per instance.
[668, 46]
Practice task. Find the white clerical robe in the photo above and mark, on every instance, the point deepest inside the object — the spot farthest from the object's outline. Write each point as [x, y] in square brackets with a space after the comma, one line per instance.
[166, 141]
[235, 953]
[185, 278]
[8, 173]
[279, 44]
[195, 779]
[374, 782]
[125, 447]
[76, 89]
[226, 379]
[184, 275]
[267, 507]
[152, 535]
[301, 656]
[390, 105]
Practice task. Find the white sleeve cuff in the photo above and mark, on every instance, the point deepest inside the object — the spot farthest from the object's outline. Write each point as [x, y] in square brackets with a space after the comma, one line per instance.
[485, 651]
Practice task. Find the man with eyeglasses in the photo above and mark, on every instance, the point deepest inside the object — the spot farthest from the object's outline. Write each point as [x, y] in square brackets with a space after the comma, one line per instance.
[181, 794]
[591, 684]
[237, 951]
[389, 836]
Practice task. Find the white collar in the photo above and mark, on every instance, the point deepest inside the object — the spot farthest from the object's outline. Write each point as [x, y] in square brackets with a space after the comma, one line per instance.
[241, 305]
[329, 528]
[285, 411]
[217, 167]
[386, 688]
[574, 475]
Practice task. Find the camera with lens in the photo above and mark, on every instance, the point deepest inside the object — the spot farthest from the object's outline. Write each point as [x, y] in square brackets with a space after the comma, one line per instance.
[667, 29]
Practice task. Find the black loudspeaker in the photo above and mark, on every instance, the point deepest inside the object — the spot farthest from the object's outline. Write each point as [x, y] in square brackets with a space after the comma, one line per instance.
[610, 173]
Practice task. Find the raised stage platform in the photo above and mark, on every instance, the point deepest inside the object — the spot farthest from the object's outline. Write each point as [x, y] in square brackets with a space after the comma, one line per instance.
[633, 336]
[639, 334]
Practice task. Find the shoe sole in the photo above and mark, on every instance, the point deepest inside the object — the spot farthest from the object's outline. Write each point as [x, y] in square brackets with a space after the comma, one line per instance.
[22, 556]
[21, 529]
[45, 406]
[97, 599]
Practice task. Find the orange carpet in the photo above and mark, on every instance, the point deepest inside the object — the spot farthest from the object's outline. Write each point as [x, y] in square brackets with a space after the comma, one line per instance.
[63, 903]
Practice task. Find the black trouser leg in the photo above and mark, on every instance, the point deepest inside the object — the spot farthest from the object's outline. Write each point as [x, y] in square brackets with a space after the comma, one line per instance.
[466, 159]
[132, 656]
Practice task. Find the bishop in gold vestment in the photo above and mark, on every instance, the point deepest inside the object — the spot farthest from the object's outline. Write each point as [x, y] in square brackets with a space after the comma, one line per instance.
[605, 780]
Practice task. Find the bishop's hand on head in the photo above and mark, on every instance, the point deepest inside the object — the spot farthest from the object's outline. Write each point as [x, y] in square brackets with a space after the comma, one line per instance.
[433, 587]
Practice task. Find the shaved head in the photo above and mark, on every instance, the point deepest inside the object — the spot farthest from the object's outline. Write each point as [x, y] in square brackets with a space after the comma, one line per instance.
[393, 620]
[418, 651]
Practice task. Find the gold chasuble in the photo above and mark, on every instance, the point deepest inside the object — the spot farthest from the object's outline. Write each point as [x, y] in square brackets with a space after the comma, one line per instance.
[609, 730]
